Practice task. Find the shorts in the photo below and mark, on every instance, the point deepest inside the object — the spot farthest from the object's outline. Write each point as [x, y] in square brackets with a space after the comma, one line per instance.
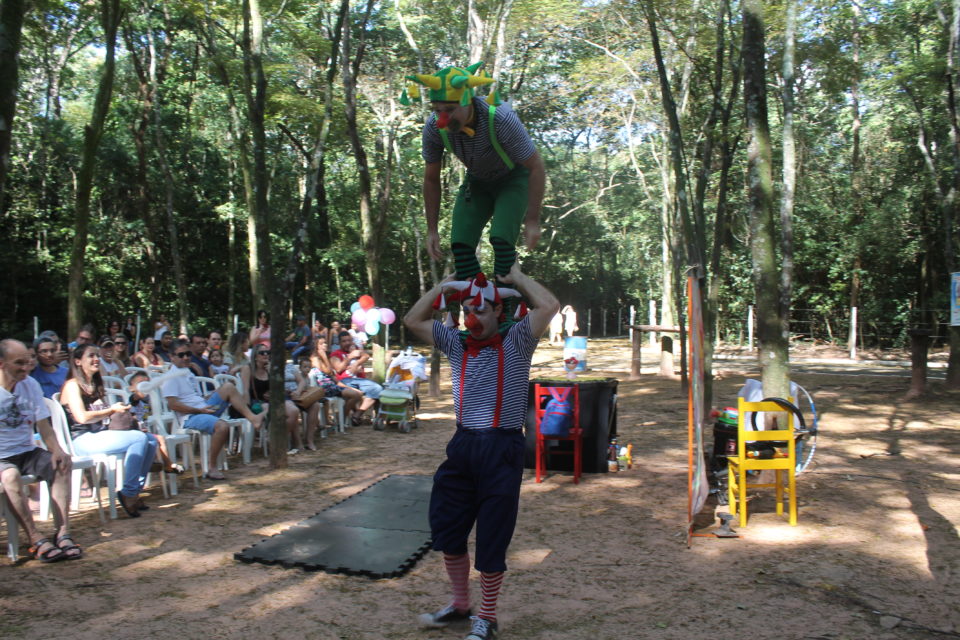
[479, 482]
[369, 388]
[205, 422]
[36, 462]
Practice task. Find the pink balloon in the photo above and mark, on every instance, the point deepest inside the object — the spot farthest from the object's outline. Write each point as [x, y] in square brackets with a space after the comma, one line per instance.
[387, 316]
[359, 317]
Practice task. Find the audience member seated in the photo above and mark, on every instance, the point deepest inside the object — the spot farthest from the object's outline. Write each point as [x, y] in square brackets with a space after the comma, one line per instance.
[49, 373]
[162, 348]
[322, 375]
[161, 324]
[146, 356]
[198, 364]
[298, 341]
[260, 394]
[347, 363]
[203, 414]
[236, 353]
[83, 396]
[84, 336]
[140, 408]
[318, 331]
[333, 337]
[109, 366]
[360, 337]
[216, 363]
[260, 334]
[214, 343]
[121, 352]
[21, 409]
[113, 329]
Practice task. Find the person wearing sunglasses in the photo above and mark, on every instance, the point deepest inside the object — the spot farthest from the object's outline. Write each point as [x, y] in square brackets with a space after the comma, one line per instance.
[200, 413]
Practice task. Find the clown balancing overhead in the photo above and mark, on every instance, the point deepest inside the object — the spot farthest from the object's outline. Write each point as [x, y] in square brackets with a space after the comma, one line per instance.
[505, 174]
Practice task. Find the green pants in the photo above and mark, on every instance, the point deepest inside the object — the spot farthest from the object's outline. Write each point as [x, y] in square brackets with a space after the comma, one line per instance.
[503, 200]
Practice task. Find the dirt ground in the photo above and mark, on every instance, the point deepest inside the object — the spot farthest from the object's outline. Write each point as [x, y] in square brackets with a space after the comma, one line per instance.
[875, 554]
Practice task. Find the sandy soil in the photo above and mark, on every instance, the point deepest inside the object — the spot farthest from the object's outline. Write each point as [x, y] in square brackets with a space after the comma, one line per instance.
[875, 554]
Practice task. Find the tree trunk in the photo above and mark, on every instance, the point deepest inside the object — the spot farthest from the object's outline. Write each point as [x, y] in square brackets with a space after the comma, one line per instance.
[856, 175]
[255, 90]
[773, 350]
[11, 24]
[789, 171]
[372, 240]
[949, 211]
[110, 20]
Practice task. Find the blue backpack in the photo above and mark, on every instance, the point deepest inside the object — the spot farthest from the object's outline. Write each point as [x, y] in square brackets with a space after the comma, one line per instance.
[558, 414]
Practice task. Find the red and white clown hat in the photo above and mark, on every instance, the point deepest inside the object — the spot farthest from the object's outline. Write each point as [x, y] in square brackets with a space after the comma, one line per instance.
[477, 292]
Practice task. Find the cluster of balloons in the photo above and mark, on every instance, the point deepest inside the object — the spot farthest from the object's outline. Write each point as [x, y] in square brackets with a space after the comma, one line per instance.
[365, 313]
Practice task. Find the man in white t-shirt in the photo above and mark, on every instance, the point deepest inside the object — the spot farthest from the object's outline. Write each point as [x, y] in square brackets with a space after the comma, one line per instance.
[21, 409]
[203, 414]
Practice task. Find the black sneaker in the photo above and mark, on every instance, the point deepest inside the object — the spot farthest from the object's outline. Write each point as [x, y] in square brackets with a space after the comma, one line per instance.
[483, 629]
[448, 615]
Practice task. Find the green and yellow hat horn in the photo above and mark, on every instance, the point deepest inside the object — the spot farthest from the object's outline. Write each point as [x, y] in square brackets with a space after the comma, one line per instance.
[453, 84]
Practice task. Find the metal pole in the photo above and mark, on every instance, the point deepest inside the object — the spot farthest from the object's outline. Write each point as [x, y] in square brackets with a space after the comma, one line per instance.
[619, 320]
[236, 322]
[853, 333]
[750, 326]
[653, 322]
[36, 327]
[632, 318]
[589, 312]
[137, 342]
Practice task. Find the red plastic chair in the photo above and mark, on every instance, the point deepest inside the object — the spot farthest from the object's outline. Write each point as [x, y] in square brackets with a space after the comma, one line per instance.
[541, 397]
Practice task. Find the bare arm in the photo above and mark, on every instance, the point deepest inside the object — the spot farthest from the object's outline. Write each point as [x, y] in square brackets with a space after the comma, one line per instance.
[544, 304]
[338, 365]
[70, 396]
[431, 207]
[420, 317]
[536, 186]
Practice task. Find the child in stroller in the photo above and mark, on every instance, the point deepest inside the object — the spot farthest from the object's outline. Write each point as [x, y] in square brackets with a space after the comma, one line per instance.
[399, 400]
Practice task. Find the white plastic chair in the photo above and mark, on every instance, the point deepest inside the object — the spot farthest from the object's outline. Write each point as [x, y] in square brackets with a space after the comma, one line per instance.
[108, 462]
[244, 429]
[160, 416]
[113, 383]
[13, 527]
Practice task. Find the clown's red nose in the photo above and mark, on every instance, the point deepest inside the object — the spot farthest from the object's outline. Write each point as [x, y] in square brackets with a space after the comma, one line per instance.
[443, 119]
[472, 322]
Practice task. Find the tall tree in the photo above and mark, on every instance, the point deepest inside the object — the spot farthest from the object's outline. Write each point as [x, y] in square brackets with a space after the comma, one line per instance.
[11, 24]
[110, 15]
[773, 352]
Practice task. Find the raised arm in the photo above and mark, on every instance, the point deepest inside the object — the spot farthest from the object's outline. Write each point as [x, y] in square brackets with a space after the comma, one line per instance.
[544, 305]
[419, 318]
[431, 207]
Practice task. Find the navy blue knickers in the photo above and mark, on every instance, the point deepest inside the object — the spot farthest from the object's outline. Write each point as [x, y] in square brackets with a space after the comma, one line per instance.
[478, 482]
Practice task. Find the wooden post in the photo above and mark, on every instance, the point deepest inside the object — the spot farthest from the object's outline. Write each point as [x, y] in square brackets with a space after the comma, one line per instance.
[619, 320]
[636, 338]
[603, 322]
[853, 334]
[666, 356]
[632, 319]
[919, 345]
[652, 318]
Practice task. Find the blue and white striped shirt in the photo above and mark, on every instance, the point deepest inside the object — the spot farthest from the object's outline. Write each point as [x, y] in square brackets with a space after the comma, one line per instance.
[480, 394]
[476, 153]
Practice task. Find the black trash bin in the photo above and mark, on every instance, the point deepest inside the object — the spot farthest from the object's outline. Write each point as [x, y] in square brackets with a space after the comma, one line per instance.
[598, 417]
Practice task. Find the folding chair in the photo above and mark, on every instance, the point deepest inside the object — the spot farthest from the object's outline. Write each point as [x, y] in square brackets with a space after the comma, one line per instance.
[541, 397]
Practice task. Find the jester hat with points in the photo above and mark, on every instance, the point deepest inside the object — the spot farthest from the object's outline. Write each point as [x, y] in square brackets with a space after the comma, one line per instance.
[453, 84]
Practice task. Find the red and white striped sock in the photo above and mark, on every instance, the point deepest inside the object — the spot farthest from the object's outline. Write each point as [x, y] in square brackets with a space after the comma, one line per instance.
[490, 589]
[458, 570]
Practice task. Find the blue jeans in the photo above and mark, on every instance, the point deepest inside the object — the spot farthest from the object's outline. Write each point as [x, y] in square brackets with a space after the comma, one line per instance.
[138, 452]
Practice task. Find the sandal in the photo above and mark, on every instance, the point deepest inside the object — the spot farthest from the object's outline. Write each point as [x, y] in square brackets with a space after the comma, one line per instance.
[71, 550]
[53, 554]
[131, 509]
[216, 478]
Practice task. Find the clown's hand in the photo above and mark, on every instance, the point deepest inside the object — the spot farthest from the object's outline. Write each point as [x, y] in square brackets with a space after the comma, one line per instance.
[433, 245]
[514, 277]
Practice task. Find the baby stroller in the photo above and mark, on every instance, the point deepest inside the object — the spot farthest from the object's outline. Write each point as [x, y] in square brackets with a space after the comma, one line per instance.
[399, 400]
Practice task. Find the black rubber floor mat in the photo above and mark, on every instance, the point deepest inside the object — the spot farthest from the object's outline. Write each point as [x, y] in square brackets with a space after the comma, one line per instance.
[380, 532]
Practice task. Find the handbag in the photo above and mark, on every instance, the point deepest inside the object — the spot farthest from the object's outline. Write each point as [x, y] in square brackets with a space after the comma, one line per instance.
[309, 397]
[122, 422]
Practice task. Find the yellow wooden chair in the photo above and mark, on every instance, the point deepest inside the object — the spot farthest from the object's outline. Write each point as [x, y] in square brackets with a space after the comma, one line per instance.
[784, 459]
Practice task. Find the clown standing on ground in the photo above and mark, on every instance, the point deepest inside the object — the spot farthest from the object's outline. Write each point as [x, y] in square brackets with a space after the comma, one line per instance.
[505, 175]
[479, 482]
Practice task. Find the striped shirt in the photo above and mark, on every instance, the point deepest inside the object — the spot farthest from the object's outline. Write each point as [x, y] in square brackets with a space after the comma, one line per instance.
[476, 153]
[480, 381]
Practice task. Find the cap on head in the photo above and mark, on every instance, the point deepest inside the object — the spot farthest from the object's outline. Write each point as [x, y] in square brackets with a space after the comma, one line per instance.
[453, 84]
